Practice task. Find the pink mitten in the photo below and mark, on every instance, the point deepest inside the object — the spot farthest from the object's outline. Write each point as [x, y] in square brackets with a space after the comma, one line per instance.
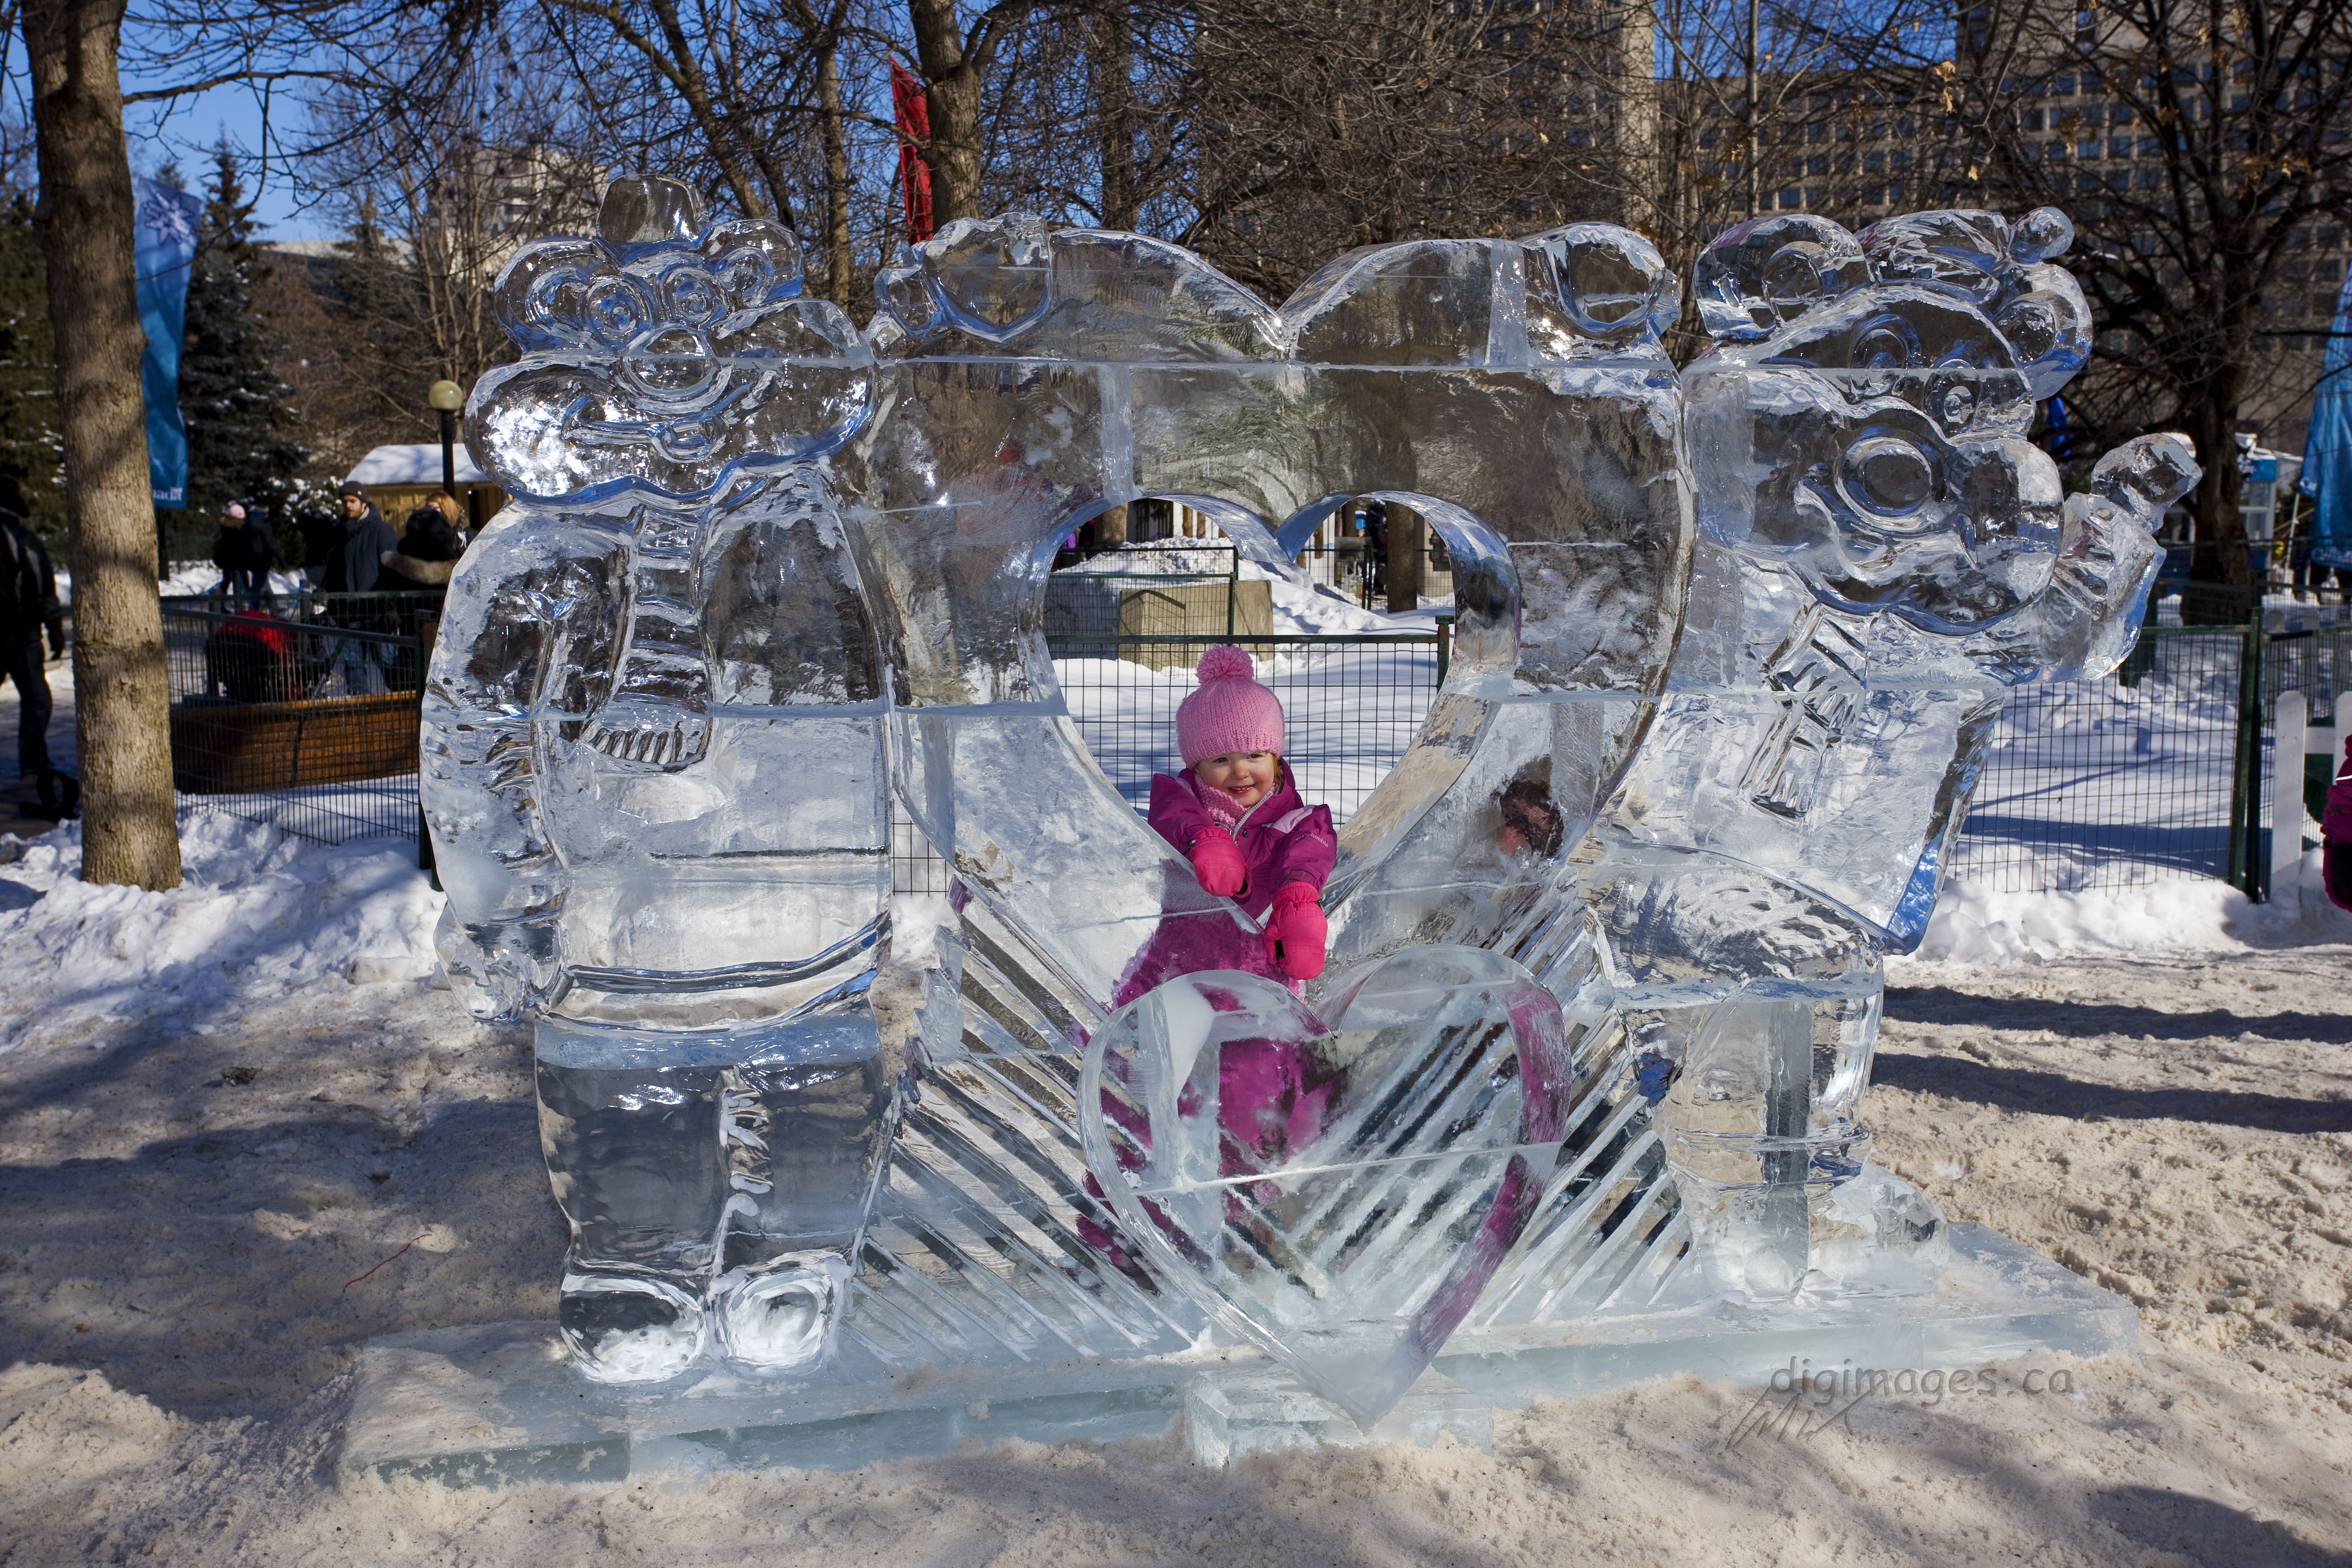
[1217, 861]
[1296, 932]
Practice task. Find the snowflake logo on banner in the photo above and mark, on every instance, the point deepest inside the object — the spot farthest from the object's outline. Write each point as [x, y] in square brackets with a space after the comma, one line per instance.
[168, 217]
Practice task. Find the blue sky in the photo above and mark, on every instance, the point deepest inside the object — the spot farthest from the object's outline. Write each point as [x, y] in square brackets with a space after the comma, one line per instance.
[186, 130]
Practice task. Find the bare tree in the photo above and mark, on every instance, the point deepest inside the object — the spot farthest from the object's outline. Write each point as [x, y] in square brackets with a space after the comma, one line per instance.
[2198, 145]
[129, 833]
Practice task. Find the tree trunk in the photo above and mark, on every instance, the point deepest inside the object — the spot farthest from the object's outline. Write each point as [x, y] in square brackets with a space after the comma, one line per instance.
[129, 834]
[833, 126]
[2221, 589]
[1408, 553]
[1113, 47]
[951, 77]
[1636, 92]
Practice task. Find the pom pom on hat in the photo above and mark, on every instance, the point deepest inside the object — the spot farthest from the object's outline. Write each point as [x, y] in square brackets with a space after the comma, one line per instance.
[1226, 664]
[1229, 712]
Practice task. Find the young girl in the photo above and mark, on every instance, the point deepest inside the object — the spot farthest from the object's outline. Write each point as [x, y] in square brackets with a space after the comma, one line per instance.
[1235, 814]
[1235, 811]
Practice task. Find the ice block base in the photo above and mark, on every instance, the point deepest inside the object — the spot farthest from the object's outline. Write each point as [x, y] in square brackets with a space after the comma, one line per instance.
[497, 1404]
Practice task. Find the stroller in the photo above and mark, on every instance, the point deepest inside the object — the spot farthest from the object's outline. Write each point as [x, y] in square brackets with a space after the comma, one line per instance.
[251, 657]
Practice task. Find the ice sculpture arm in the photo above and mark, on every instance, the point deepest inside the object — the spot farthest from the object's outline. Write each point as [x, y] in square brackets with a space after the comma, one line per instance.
[527, 628]
[2086, 621]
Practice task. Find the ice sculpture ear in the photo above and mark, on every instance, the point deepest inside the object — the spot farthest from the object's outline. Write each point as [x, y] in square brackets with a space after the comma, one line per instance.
[1753, 279]
[1613, 284]
[993, 279]
[1963, 250]
[2048, 323]
[2041, 235]
[646, 211]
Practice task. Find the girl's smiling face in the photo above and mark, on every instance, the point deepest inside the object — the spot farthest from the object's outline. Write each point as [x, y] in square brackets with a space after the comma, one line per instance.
[1247, 776]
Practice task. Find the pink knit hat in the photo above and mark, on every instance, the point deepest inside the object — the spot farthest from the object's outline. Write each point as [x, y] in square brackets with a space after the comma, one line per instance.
[1230, 712]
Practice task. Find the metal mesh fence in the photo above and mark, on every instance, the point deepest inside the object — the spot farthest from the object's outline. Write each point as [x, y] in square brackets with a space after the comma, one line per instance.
[1095, 598]
[300, 711]
[2111, 782]
[1353, 705]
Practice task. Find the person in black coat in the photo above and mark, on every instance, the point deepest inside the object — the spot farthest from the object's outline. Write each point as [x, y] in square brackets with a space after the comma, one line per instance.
[356, 566]
[245, 549]
[29, 605]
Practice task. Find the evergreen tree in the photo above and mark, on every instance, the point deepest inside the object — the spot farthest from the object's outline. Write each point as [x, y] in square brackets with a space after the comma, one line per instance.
[241, 431]
[29, 445]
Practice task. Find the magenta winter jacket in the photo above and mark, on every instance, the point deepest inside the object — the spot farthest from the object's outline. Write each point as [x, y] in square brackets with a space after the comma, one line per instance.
[1283, 838]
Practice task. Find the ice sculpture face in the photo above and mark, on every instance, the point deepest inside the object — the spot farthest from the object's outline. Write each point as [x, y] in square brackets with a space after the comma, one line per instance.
[1869, 400]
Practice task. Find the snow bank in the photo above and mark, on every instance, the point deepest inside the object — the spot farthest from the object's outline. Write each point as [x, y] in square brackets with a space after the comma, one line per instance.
[257, 912]
[1300, 609]
[1974, 924]
[192, 577]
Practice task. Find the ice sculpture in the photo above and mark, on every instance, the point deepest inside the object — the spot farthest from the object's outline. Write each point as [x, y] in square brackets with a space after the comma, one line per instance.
[655, 774]
[1883, 555]
[1725, 647]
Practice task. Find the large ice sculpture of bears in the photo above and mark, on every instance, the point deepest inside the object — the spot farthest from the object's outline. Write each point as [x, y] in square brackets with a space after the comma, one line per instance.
[654, 776]
[1883, 556]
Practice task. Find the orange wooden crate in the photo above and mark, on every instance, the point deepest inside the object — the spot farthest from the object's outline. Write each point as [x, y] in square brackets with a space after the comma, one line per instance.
[246, 748]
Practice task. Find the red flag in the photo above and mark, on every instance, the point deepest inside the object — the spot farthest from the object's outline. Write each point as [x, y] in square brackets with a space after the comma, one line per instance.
[913, 104]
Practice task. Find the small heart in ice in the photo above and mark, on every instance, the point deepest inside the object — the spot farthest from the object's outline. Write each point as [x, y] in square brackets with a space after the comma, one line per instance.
[1337, 1191]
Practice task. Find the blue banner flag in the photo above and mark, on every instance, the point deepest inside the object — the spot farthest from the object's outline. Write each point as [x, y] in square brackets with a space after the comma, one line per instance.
[163, 248]
[2327, 449]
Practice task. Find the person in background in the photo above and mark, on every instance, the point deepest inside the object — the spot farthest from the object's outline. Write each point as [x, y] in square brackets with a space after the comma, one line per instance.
[430, 535]
[452, 511]
[244, 550]
[428, 552]
[29, 605]
[356, 566]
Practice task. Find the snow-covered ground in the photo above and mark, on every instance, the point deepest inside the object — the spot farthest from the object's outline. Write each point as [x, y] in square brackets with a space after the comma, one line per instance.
[241, 1133]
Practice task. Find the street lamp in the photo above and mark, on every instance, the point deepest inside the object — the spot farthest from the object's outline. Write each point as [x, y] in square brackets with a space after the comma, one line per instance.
[447, 398]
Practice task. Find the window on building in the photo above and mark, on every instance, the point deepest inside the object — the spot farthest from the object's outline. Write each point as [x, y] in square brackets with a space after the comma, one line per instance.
[2149, 179]
[2121, 147]
[2034, 119]
[1874, 162]
[2123, 115]
[1788, 201]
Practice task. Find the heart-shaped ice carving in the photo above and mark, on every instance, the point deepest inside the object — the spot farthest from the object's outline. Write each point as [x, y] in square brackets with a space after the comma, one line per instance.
[1338, 1192]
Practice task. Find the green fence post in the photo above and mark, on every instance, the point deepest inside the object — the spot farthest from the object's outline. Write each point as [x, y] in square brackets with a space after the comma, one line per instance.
[2247, 863]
